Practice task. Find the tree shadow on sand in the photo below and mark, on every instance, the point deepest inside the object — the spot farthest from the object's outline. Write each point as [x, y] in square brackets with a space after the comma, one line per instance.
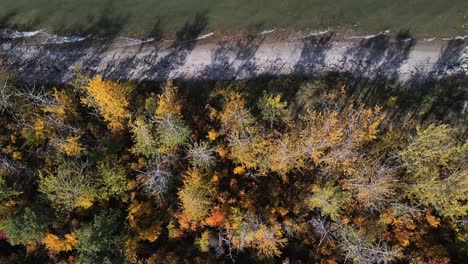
[53, 63]
[160, 66]
[43, 62]
[118, 68]
[450, 56]
[375, 61]
[313, 55]
[232, 60]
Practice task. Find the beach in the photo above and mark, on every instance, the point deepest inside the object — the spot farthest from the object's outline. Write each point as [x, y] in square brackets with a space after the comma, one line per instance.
[41, 57]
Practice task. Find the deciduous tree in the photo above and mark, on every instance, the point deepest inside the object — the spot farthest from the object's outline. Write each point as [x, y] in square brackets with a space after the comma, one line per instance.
[196, 195]
[437, 171]
[110, 99]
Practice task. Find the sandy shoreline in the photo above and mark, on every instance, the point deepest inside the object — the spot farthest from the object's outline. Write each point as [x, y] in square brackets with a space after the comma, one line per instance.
[40, 57]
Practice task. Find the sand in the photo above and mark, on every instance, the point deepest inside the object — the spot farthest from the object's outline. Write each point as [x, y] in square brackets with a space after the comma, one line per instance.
[42, 58]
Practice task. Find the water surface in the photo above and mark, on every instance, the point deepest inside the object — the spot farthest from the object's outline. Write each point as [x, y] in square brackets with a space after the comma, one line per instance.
[422, 17]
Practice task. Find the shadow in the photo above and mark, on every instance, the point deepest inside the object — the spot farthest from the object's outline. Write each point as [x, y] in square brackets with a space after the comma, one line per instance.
[165, 67]
[370, 69]
[106, 28]
[102, 22]
[191, 30]
[370, 76]
[363, 58]
[374, 61]
[438, 93]
[313, 55]
[123, 63]
[107, 25]
[105, 52]
[379, 55]
[32, 59]
[5, 20]
[450, 56]
[156, 31]
[229, 62]
[232, 60]
[404, 34]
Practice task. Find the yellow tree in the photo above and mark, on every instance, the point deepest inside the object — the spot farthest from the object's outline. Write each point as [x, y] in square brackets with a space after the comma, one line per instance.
[72, 146]
[145, 141]
[272, 109]
[331, 200]
[332, 138]
[246, 145]
[64, 109]
[437, 171]
[373, 184]
[267, 240]
[110, 99]
[248, 151]
[283, 153]
[248, 230]
[168, 101]
[57, 244]
[196, 195]
[143, 218]
[236, 119]
[171, 131]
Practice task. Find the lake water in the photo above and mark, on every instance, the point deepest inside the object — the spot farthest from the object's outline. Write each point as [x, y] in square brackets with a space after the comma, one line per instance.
[421, 17]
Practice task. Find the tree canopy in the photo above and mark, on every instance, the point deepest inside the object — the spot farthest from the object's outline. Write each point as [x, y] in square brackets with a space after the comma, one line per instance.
[99, 171]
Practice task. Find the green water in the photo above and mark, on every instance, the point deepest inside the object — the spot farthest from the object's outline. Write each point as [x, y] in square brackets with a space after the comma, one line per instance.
[422, 17]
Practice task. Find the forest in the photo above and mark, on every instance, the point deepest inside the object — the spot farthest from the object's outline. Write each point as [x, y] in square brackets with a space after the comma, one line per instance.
[331, 169]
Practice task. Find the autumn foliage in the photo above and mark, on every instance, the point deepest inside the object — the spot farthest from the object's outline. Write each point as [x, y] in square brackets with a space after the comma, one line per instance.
[100, 171]
[57, 244]
[110, 100]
